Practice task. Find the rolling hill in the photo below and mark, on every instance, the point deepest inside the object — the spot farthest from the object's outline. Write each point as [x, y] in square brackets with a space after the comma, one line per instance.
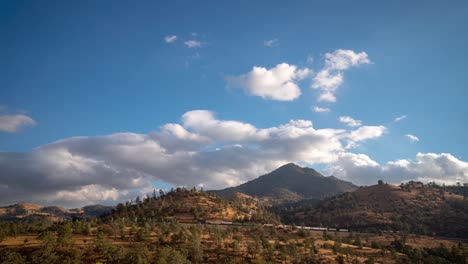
[31, 212]
[412, 207]
[191, 205]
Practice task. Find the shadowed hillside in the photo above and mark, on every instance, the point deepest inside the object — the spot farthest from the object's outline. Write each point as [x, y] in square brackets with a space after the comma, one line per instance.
[412, 207]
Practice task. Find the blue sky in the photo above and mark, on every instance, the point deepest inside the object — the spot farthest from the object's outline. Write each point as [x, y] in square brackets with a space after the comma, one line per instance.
[96, 68]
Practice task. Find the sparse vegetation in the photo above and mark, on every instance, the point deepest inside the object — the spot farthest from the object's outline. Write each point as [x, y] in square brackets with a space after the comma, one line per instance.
[411, 208]
[169, 228]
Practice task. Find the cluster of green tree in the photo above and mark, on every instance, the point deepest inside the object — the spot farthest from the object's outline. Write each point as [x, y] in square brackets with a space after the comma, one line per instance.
[19, 228]
[440, 255]
[162, 204]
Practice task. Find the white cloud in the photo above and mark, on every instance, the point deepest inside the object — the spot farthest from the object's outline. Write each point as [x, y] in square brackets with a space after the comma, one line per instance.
[278, 83]
[202, 149]
[13, 123]
[271, 43]
[398, 119]
[326, 81]
[319, 109]
[170, 39]
[412, 138]
[90, 192]
[426, 167]
[331, 76]
[204, 123]
[193, 44]
[364, 133]
[327, 97]
[350, 121]
[345, 59]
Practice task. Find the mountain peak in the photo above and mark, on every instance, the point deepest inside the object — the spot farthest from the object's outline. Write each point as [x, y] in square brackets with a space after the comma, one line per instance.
[291, 181]
[292, 170]
[290, 165]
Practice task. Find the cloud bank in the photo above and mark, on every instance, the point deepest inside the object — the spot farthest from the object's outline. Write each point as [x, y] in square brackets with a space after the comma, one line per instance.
[200, 149]
[426, 167]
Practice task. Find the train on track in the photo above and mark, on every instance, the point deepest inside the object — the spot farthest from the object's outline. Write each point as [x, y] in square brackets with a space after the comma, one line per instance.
[217, 222]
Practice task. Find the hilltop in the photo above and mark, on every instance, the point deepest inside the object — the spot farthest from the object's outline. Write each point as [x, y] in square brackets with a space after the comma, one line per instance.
[412, 207]
[191, 205]
[290, 183]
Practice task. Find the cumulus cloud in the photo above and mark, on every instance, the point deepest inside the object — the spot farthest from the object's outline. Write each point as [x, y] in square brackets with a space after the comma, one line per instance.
[271, 43]
[319, 109]
[170, 39]
[350, 121]
[426, 167]
[412, 138]
[331, 76]
[364, 133]
[200, 150]
[193, 44]
[14, 123]
[345, 59]
[278, 83]
[399, 118]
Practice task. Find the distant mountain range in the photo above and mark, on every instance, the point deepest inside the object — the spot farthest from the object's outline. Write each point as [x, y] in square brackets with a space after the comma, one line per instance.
[291, 183]
[32, 212]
